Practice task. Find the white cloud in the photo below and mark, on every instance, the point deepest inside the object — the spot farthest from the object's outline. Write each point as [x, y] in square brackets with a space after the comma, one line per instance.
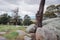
[29, 7]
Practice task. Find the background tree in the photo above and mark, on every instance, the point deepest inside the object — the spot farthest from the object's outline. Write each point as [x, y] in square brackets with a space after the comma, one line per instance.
[50, 12]
[57, 12]
[16, 15]
[50, 15]
[51, 8]
[16, 19]
[27, 20]
[58, 8]
[4, 18]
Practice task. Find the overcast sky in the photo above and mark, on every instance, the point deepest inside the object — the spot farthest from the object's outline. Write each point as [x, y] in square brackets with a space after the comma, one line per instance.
[29, 7]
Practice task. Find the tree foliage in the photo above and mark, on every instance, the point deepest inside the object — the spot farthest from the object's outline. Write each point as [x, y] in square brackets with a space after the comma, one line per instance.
[4, 18]
[27, 20]
[50, 14]
[51, 10]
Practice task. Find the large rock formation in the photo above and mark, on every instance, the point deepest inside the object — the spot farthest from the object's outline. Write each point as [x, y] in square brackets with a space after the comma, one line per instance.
[50, 29]
[54, 25]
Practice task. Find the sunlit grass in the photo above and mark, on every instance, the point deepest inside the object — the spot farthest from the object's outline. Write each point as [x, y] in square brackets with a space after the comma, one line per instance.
[10, 30]
[4, 28]
[11, 36]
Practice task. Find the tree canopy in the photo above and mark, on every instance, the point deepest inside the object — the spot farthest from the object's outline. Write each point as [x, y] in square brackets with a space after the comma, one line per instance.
[27, 20]
[4, 18]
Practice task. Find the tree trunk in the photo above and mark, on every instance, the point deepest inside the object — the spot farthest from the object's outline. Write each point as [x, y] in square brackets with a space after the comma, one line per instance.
[39, 18]
[39, 15]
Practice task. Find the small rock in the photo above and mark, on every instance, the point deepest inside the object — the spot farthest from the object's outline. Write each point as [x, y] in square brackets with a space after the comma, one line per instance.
[1, 33]
[31, 28]
[27, 38]
[21, 32]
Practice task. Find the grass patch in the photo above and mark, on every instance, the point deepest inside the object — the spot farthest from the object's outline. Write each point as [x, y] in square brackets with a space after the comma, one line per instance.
[10, 30]
[22, 28]
[11, 36]
[5, 28]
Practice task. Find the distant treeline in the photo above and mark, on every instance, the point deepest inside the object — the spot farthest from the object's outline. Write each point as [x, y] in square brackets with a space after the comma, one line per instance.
[6, 19]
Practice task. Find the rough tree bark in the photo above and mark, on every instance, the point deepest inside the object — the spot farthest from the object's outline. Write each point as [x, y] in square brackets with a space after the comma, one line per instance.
[39, 15]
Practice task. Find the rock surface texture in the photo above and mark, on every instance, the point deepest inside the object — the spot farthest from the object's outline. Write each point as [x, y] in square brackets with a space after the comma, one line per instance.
[49, 31]
[45, 34]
